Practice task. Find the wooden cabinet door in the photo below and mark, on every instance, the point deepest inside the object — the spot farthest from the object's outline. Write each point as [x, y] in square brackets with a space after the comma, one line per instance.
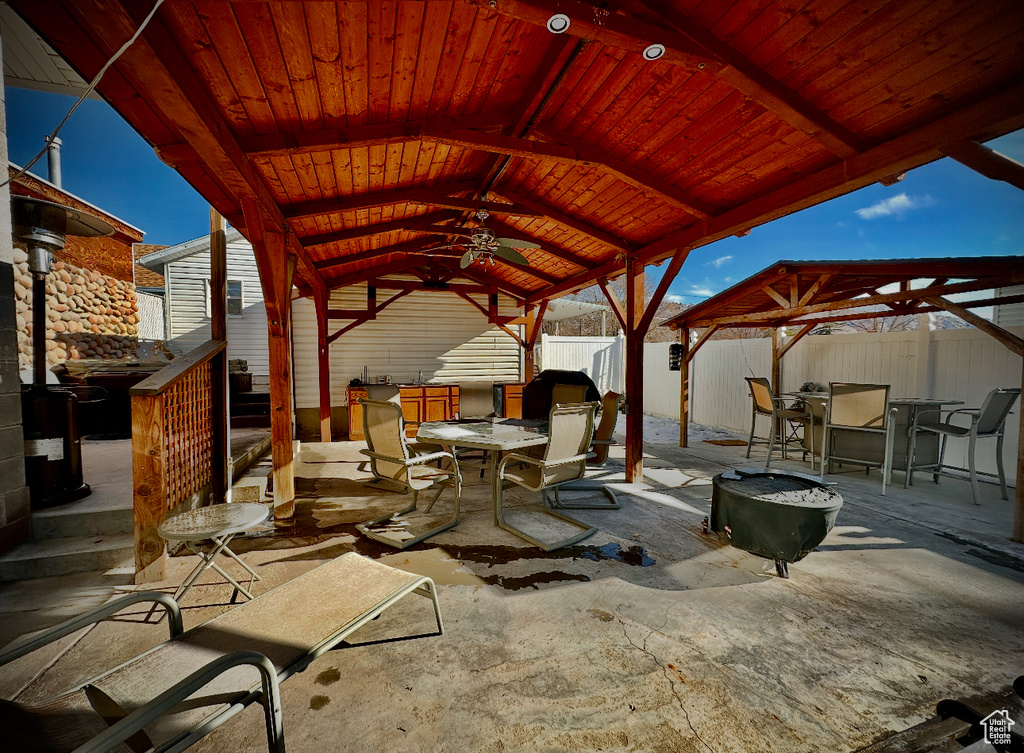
[513, 401]
[412, 409]
[355, 415]
[437, 408]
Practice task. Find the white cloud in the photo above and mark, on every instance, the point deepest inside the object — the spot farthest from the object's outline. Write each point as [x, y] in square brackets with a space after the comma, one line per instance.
[705, 292]
[673, 298]
[896, 205]
[716, 263]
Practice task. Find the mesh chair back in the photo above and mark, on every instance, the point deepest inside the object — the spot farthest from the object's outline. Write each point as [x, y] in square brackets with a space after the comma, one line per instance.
[476, 399]
[995, 409]
[603, 432]
[385, 435]
[863, 406]
[761, 392]
[570, 429]
[562, 394]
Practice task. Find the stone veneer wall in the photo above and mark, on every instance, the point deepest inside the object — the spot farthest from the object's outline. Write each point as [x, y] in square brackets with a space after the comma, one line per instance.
[89, 315]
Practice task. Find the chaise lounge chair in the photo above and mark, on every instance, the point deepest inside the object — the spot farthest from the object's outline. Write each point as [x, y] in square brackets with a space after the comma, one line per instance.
[221, 666]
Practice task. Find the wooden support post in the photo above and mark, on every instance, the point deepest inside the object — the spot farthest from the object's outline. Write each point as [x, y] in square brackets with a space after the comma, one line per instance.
[276, 268]
[323, 354]
[534, 324]
[634, 370]
[684, 388]
[1018, 510]
[220, 480]
[149, 456]
[776, 362]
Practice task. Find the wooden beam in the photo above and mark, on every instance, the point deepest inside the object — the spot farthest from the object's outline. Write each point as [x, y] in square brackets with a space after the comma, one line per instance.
[704, 337]
[634, 371]
[513, 335]
[659, 294]
[466, 297]
[607, 27]
[988, 162]
[1010, 340]
[684, 388]
[782, 316]
[804, 330]
[494, 207]
[304, 142]
[613, 301]
[478, 274]
[407, 223]
[220, 450]
[323, 359]
[573, 223]
[508, 231]
[588, 154]
[776, 366]
[419, 194]
[534, 324]
[752, 80]
[775, 296]
[417, 246]
[362, 317]
[812, 291]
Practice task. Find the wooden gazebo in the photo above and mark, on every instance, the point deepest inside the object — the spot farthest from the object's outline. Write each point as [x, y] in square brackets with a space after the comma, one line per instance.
[804, 295]
[347, 141]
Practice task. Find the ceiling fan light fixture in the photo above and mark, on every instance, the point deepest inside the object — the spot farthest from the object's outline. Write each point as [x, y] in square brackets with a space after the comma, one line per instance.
[558, 23]
[654, 51]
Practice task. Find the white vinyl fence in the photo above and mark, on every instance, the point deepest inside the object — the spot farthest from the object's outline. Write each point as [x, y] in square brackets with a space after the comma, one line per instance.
[603, 359]
[963, 364]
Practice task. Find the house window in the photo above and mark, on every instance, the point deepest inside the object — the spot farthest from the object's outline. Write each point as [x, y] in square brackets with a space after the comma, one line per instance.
[235, 304]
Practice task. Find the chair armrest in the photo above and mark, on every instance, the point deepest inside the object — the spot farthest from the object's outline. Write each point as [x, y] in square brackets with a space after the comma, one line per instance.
[417, 460]
[602, 441]
[57, 632]
[178, 692]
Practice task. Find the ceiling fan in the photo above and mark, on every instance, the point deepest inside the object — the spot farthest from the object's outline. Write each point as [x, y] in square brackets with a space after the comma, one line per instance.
[482, 245]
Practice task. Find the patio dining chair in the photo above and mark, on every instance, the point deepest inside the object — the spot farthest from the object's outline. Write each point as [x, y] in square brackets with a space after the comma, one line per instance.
[987, 421]
[404, 470]
[858, 409]
[173, 695]
[783, 422]
[570, 429]
[598, 457]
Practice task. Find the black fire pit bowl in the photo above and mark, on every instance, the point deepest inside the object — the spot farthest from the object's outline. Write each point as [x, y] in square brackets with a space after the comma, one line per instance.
[779, 515]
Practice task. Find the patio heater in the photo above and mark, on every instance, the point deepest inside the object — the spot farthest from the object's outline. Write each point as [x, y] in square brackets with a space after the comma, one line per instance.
[53, 450]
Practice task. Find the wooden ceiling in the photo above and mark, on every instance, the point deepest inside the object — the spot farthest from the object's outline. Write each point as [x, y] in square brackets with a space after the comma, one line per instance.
[369, 129]
[805, 293]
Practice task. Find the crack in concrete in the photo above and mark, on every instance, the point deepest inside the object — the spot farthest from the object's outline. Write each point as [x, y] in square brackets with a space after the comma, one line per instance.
[665, 673]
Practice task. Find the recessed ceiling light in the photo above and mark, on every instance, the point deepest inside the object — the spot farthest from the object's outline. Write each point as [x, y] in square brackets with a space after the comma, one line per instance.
[654, 51]
[558, 23]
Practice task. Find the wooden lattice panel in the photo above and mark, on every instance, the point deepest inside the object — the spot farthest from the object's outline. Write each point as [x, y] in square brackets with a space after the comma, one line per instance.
[188, 427]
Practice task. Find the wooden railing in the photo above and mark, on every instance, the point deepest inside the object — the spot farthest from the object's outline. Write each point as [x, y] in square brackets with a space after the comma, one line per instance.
[177, 434]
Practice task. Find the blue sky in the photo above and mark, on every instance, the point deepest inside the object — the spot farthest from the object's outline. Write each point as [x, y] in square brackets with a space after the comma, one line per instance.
[942, 209]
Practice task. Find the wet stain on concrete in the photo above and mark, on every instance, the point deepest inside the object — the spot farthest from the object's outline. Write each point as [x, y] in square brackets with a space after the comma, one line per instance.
[635, 555]
[601, 615]
[328, 676]
[982, 552]
[533, 580]
[317, 702]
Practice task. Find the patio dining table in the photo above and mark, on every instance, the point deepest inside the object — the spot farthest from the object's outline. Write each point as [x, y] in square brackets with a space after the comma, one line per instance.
[497, 435]
[872, 447]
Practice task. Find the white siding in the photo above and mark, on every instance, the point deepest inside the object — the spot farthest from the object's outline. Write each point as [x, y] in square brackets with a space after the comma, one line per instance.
[434, 332]
[1011, 315]
[151, 316]
[190, 326]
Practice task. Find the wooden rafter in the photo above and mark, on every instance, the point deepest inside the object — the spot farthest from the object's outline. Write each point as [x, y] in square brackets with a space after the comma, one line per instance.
[613, 301]
[988, 162]
[304, 209]
[303, 142]
[560, 253]
[587, 154]
[751, 80]
[472, 205]
[418, 246]
[563, 219]
[407, 223]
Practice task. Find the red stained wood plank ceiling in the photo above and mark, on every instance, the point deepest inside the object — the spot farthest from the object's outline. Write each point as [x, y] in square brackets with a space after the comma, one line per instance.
[369, 128]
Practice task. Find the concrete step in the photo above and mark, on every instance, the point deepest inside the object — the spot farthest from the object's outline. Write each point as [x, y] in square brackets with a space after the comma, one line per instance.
[82, 519]
[43, 559]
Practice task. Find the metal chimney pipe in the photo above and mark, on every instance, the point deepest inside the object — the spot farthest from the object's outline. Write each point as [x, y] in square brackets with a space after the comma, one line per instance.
[53, 158]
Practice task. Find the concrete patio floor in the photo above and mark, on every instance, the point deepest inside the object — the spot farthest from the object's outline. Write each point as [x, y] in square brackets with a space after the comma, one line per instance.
[648, 636]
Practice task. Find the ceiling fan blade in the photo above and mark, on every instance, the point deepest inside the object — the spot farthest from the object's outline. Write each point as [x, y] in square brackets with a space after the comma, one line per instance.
[510, 254]
[516, 243]
[467, 259]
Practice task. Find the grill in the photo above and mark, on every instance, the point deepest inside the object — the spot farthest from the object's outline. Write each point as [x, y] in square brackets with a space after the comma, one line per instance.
[779, 515]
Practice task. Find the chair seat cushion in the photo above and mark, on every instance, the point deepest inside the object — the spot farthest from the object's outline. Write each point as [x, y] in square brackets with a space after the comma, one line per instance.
[533, 477]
